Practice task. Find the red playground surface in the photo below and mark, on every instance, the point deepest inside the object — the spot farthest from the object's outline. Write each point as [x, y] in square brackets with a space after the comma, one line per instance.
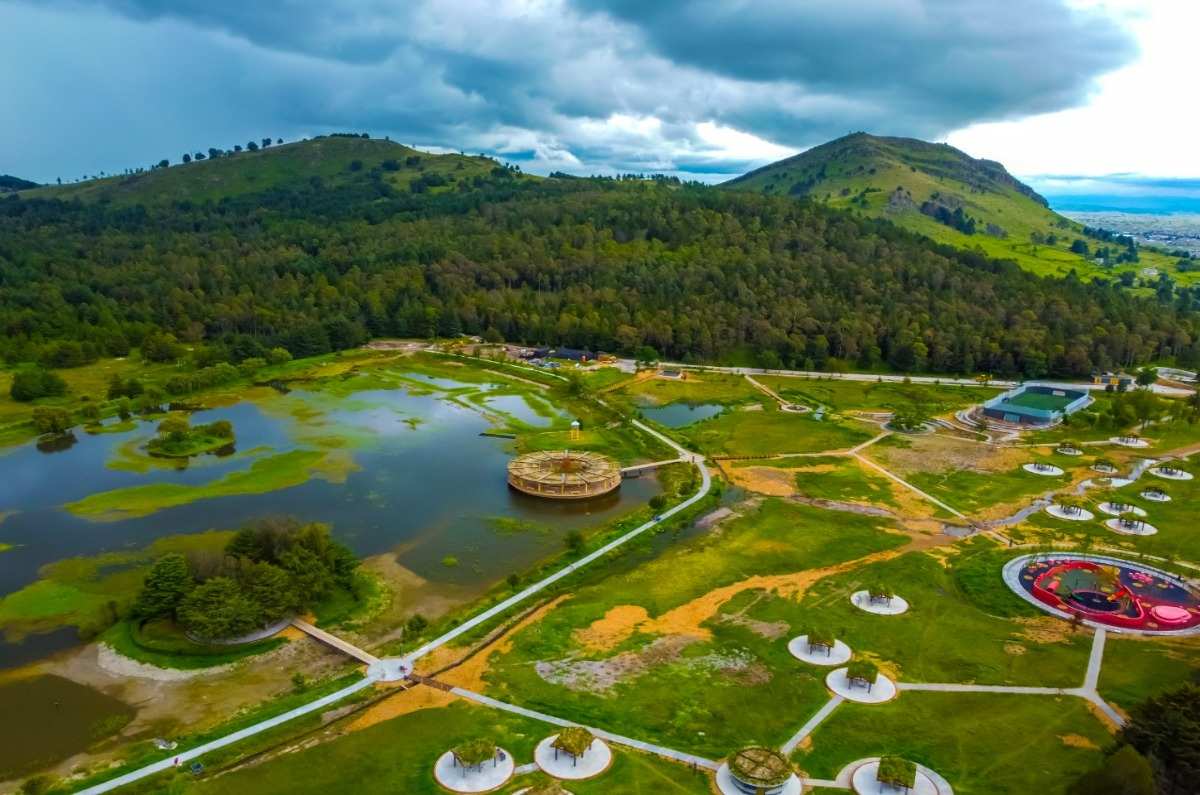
[1119, 595]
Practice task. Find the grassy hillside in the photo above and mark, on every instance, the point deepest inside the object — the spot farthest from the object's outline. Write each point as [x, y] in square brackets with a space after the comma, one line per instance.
[894, 177]
[331, 159]
[10, 183]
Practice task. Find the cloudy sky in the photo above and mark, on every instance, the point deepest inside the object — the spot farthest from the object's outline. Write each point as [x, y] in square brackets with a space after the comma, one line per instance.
[704, 89]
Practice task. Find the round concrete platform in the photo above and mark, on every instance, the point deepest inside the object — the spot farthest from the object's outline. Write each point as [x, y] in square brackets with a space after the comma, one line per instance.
[1106, 483]
[490, 776]
[838, 655]
[1176, 475]
[864, 781]
[726, 785]
[1082, 515]
[1114, 524]
[528, 790]
[594, 762]
[1128, 442]
[1111, 510]
[1050, 471]
[1153, 497]
[1072, 451]
[1104, 470]
[862, 600]
[883, 690]
[391, 669]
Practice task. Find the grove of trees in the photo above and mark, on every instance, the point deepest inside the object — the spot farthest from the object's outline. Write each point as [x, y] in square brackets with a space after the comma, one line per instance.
[666, 269]
[267, 571]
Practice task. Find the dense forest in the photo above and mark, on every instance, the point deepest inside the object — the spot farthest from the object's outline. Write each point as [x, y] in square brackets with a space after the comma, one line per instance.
[623, 266]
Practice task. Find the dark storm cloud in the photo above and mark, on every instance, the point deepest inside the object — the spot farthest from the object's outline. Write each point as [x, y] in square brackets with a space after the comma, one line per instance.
[585, 86]
[931, 64]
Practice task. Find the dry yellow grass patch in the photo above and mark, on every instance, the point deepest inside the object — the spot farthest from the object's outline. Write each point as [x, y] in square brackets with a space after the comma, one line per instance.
[940, 453]
[401, 703]
[610, 631]
[1044, 629]
[772, 481]
[688, 619]
[1078, 741]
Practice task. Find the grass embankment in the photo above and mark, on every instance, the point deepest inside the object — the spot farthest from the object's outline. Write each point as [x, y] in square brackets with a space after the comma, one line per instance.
[981, 743]
[161, 643]
[648, 651]
[264, 475]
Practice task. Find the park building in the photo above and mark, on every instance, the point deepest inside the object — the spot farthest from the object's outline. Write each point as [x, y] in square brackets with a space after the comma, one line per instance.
[1036, 405]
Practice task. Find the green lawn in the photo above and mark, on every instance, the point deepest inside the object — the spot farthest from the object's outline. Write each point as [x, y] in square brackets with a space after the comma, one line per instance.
[983, 744]
[710, 693]
[1136, 669]
[845, 481]
[878, 396]
[397, 756]
[769, 431]
[702, 387]
[970, 491]
[949, 634]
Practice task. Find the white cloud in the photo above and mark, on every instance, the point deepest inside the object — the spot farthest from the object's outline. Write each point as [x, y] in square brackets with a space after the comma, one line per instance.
[1142, 118]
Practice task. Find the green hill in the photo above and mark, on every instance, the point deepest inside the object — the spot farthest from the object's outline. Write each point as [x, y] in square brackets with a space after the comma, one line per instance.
[9, 183]
[331, 159]
[951, 197]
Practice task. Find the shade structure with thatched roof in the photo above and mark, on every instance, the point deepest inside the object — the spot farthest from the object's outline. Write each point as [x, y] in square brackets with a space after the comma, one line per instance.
[574, 753]
[564, 474]
[756, 769]
[474, 753]
[474, 766]
[897, 772]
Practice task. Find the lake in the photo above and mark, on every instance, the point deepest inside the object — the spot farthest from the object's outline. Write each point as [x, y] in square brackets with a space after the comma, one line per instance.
[424, 484]
[677, 415]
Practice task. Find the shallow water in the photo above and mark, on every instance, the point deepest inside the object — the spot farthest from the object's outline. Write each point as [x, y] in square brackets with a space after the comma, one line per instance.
[677, 415]
[49, 718]
[428, 486]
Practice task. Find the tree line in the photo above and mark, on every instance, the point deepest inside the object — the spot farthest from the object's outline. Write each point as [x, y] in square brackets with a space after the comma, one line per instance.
[686, 271]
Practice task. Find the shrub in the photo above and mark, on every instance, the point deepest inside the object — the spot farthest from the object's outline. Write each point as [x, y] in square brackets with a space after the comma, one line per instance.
[51, 420]
[34, 383]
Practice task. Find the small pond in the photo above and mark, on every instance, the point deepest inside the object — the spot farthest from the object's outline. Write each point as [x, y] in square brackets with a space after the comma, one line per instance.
[677, 415]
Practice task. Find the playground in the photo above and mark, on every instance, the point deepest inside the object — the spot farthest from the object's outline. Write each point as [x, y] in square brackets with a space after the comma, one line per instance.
[1108, 592]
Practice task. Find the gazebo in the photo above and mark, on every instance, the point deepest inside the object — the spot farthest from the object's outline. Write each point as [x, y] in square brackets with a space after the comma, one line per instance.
[880, 594]
[1130, 521]
[1105, 465]
[1156, 494]
[1042, 466]
[862, 673]
[759, 771]
[473, 754]
[1069, 506]
[820, 639]
[1128, 439]
[896, 773]
[1070, 448]
[573, 741]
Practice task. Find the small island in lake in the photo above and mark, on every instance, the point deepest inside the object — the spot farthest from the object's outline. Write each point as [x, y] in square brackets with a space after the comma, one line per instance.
[178, 439]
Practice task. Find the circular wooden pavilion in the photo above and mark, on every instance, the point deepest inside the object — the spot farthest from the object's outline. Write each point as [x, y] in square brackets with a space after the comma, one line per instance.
[564, 474]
